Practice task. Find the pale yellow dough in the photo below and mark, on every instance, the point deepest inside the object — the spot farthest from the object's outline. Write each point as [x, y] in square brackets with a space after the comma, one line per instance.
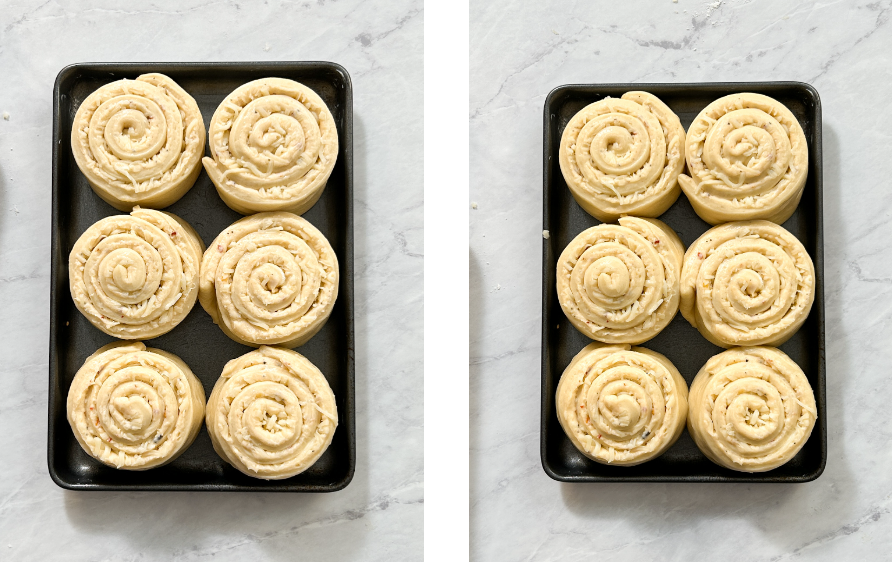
[136, 276]
[747, 283]
[273, 145]
[271, 278]
[139, 142]
[619, 283]
[623, 156]
[751, 409]
[133, 407]
[747, 159]
[621, 405]
[271, 414]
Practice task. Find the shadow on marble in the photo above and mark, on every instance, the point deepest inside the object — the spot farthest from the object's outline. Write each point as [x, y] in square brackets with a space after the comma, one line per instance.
[477, 303]
[690, 505]
[4, 208]
[218, 522]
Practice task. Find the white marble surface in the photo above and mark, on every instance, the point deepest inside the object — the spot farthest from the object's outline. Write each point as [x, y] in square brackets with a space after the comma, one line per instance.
[519, 52]
[379, 515]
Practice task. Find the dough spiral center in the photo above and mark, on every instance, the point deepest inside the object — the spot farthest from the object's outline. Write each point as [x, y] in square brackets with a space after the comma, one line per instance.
[613, 281]
[134, 134]
[123, 272]
[268, 280]
[622, 151]
[621, 405]
[137, 406]
[275, 134]
[266, 415]
[751, 285]
[610, 275]
[138, 275]
[752, 282]
[619, 144]
[134, 138]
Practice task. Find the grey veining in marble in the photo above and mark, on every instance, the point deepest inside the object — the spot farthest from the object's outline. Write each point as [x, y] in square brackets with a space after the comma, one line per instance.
[519, 52]
[379, 515]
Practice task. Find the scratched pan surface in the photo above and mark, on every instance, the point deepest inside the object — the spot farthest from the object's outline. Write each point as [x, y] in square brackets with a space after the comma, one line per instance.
[680, 342]
[197, 340]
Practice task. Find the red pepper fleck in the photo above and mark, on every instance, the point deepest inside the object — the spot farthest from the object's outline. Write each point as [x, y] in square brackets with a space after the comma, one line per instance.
[656, 242]
[219, 247]
[700, 255]
[174, 233]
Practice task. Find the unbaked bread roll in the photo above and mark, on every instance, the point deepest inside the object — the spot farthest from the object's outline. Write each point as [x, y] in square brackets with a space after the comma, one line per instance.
[747, 159]
[619, 283]
[136, 276]
[274, 144]
[623, 156]
[747, 283]
[133, 407]
[621, 405]
[271, 414]
[139, 142]
[751, 409]
[271, 278]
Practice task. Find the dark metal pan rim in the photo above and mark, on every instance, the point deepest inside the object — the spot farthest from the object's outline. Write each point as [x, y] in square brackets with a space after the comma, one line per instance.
[562, 218]
[75, 206]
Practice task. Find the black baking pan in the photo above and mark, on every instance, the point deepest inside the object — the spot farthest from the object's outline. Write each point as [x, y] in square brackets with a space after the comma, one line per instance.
[197, 340]
[680, 342]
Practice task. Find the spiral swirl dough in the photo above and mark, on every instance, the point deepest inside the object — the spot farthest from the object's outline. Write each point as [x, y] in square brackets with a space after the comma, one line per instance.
[271, 278]
[623, 156]
[621, 405]
[133, 407]
[751, 409]
[619, 283]
[747, 158]
[136, 276]
[747, 283]
[271, 414]
[274, 144]
[139, 142]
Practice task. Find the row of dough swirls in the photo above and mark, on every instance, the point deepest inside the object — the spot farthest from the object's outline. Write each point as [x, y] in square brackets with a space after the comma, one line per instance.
[749, 409]
[271, 278]
[273, 144]
[740, 283]
[746, 155]
[271, 414]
